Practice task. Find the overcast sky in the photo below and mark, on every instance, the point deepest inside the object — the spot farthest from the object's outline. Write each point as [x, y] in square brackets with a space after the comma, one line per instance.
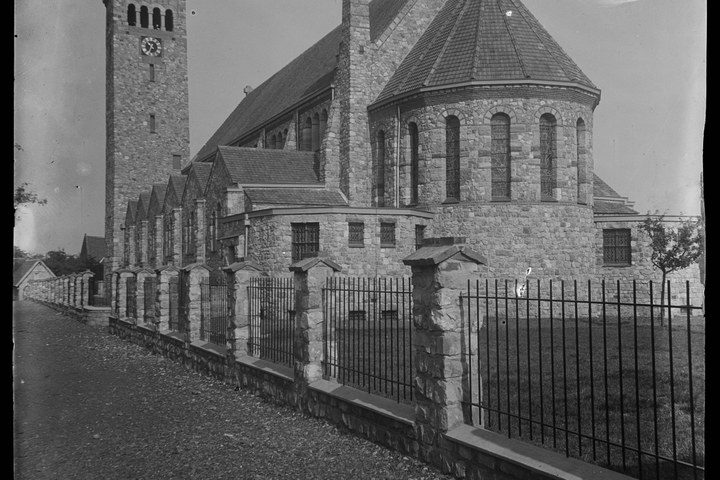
[647, 57]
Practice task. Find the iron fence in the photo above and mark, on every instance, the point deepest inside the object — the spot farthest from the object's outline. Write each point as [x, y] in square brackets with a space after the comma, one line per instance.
[177, 317]
[591, 371]
[272, 319]
[367, 334]
[214, 309]
[131, 297]
[149, 292]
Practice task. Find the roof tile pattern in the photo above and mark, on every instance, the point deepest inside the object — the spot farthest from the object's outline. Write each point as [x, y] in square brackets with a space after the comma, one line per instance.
[612, 208]
[252, 166]
[483, 40]
[296, 196]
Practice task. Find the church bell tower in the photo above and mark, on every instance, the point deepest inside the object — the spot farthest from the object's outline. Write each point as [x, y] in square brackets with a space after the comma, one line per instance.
[147, 114]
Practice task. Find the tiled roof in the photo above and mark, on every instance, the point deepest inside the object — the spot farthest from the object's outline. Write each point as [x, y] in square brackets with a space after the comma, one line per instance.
[295, 196]
[382, 13]
[25, 268]
[201, 171]
[176, 185]
[159, 190]
[142, 206]
[248, 166]
[476, 40]
[310, 72]
[602, 189]
[601, 207]
[131, 211]
[94, 247]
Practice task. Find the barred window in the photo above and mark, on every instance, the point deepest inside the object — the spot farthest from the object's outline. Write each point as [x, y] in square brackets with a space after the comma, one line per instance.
[414, 163]
[305, 240]
[380, 175]
[581, 165]
[616, 246]
[419, 236]
[452, 158]
[500, 156]
[548, 156]
[387, 235]
[356, 234]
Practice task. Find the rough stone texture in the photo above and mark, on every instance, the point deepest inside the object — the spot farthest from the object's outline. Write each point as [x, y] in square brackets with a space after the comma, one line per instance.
[194, 275]
[137, 157]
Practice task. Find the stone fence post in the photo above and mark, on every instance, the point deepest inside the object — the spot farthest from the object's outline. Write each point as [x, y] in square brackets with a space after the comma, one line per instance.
[74, 290]
[238, 281]
[122, 290]
[87, 277]
[194, 275]
[310, 275]
[440, 271]
[162, 300]
[65, 290]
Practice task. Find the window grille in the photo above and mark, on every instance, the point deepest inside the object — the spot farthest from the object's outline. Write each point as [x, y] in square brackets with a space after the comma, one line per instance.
[387, 234]
[548, 155]
[356, 234]
[616, 246]
[305, 240]
[419, 236]
[414, 164]
[500, 156]
[452, 158]
[380, 169]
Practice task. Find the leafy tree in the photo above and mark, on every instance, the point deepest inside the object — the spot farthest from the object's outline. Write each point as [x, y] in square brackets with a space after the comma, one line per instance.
[63, 264]
[672, 248]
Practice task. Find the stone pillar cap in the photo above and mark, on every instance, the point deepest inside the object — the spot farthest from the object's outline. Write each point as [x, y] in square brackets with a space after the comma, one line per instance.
[167, 268]
[308, 263]
[437, 250]
[146, 270]
[242, 265]
[193, 266]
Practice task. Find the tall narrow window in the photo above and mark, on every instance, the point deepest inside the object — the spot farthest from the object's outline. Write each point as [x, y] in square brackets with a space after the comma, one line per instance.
[387, 235]
[380, 173]
[316, 132]
[414, 163]
[500, 156]
[305, 240]
[616, 246]
[581, 162]
[169, 20]
[548, 156]
[419, 236]
[452, 158]
[144, 17]
[151, 66]
[131, 15]
[323, 124]
[156, 18]
[307, 135]
[280, 140]
[177, 162]
[213, 231]
[152, 123]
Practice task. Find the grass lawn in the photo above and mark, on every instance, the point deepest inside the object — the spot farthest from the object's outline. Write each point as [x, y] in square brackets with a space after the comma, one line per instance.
[589, 387]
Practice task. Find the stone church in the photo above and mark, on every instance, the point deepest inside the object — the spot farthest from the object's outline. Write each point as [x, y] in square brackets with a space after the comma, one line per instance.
[411, 119]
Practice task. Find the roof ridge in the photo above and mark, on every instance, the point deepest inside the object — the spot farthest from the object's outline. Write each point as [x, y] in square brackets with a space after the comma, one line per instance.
[512, 39]
[549, 50]
[448, 39]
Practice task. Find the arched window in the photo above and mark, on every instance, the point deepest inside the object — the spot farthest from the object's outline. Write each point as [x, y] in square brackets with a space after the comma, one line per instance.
[380, 172]
[156, 19]
[581, 160]
[316, 132]
[131, 15]
[452, 158]
[307, 135]
[273, 142]
[323, 124]
[284, 138]
[414, 163]
[213, 231]
[169, 20]
[144, 17]
[279, 140]
[500, 156]
[548, 156]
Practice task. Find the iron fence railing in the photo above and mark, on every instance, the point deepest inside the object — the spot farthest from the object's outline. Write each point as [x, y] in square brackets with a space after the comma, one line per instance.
[272, 319]
[605, 373]
[131, 298]
[367, 334]
[214, 310]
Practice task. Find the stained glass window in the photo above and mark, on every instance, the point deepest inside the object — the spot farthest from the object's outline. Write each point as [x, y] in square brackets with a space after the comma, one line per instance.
[452, 158]
[548, 155]
[500, 156]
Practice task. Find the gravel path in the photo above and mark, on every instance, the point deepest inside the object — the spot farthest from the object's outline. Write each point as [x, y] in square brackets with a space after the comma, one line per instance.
[90, 406]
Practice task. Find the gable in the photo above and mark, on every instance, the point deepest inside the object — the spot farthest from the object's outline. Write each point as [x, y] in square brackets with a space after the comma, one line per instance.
[131, 213]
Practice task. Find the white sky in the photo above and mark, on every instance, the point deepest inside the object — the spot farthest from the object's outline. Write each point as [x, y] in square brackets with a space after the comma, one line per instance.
[647, 57]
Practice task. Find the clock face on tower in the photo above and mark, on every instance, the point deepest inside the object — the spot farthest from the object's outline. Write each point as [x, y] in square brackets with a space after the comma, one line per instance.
[151, 46]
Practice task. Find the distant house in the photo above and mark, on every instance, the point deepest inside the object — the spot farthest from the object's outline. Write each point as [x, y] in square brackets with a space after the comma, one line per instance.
[26, 272]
